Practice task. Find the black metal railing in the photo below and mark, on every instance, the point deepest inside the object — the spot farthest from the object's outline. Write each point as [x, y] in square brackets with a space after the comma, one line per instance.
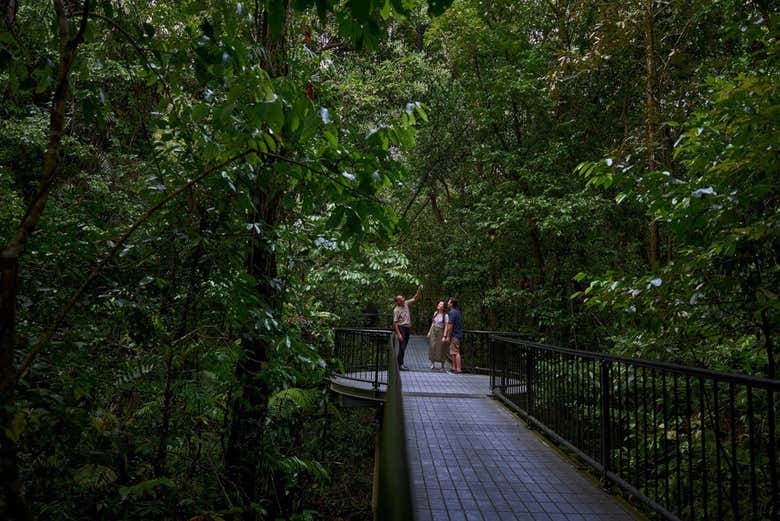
[362, 356]
[369, 356]
[475, 350]
[689, 443]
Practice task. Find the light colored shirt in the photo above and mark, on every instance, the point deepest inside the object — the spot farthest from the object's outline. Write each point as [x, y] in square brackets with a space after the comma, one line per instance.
[438, 320]
[401, 314]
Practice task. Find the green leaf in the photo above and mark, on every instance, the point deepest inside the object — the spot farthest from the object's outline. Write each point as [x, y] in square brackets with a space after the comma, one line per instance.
[270, 115]
[16, 426]
[331, 137]
[147, 487]
[384, 12]
[108, 9]
[200, 111]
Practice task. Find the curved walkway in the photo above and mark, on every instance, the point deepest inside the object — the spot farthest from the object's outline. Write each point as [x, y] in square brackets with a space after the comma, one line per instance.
[471, 459]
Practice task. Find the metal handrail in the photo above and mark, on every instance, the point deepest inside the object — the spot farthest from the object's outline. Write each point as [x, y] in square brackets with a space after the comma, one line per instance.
[394, 498]
[362, 329]
[475, 350]
[505, 334]
[689, 443]
[362, 355]
[756, 381]
[375, 350]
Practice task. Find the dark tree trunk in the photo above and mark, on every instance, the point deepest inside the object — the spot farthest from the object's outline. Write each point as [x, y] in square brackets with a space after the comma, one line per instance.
[651, 107]
[183, 320]
[12, 506]
[560, 24]
[248, 410]
[243, 454]
[8, 9]
[435, 208]
[767, 330]
[536, 248]
[161, 457]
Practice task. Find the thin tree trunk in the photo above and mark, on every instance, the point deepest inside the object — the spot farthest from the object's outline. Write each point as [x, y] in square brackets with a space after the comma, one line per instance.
[435, 208]
[651, 107]
[497, 131]
[560, 24]
[166, 303]
[12, 505]
[624, 117]
[517, 124]
[182, 326]
[536, 249]
[249, 407]
[8, 9]
[766, 329]
[51, 157]
[161, 458]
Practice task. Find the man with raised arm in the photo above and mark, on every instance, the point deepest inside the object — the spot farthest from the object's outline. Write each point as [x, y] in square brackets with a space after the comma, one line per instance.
[402, 322]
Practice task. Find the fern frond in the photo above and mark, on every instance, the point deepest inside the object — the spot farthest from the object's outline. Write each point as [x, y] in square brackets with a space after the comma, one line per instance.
[94, 477]
[289, 402]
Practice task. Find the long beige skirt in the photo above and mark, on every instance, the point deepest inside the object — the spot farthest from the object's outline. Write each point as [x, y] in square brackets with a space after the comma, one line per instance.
[435, 346]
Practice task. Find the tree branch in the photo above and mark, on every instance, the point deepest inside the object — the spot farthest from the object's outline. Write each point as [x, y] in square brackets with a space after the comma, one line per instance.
[79, 38]
[51, 157]
[52, 328]
[326, 175]
[138, 49]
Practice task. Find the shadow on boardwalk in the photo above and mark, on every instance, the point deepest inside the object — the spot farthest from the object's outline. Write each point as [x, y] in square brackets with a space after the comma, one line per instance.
[471, 459]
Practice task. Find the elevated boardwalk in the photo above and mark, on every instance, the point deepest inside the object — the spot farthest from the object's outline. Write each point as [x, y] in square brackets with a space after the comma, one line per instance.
[683, 442]
[471, 459]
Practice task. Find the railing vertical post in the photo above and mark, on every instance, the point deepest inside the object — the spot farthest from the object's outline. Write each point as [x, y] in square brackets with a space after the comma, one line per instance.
[529, 380]
[492, 362]
[504, 364]
[774, 504]
[377, 446]
[377, 352]
[606, 439]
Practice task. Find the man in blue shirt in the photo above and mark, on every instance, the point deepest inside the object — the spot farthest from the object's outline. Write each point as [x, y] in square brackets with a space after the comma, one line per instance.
[453, 333]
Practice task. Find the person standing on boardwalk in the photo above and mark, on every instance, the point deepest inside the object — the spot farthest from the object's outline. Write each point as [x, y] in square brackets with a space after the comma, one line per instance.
[453, 333]
[402, 322]
[435, 334]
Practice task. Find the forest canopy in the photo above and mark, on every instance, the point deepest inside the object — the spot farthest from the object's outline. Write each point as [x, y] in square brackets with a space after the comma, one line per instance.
[194, 194]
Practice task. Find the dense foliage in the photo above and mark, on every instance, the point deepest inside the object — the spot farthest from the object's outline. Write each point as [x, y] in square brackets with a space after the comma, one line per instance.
[193, 193]
[620, 153]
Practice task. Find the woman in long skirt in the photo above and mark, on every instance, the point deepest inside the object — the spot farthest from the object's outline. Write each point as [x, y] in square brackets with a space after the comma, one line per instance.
[436, 331]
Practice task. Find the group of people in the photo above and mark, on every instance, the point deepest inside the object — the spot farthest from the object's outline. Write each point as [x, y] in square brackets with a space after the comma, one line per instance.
[445, 334]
